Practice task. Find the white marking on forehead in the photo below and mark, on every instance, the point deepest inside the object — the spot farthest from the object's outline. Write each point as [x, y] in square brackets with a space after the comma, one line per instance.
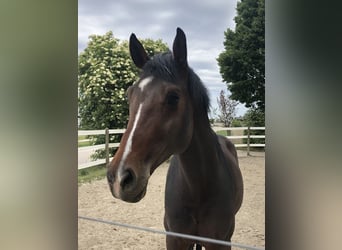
[128, 146]
[144, 82]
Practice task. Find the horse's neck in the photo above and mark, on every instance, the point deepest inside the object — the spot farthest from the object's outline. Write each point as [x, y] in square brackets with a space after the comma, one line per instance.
[200, 162]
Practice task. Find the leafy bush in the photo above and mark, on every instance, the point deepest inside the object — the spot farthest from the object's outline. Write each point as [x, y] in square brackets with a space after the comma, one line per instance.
[105, 71]
[254, 118]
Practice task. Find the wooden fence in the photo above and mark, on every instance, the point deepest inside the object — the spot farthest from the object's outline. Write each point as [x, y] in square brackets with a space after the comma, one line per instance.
[108, 145]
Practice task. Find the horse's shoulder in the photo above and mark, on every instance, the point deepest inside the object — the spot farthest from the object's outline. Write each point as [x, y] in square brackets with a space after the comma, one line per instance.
[227, 145]
[230, 153]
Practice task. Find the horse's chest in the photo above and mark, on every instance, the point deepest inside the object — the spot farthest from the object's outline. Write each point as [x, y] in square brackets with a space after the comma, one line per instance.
[197, 220]
[200, 209]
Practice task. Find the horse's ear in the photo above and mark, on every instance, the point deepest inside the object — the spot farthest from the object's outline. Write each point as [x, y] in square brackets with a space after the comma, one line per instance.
[138, 53]
[180, 51]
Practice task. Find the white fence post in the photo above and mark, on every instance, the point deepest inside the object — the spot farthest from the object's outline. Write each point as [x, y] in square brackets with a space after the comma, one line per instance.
[248, 139]
[107, 146]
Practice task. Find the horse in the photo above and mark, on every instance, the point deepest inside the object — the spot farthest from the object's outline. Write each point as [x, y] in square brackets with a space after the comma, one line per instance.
[168, 116]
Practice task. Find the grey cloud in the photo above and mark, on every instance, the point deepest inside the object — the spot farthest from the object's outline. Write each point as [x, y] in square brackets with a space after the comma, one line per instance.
[204, 23]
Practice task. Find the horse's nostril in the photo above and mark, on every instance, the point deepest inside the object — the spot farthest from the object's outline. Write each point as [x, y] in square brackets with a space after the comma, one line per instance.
[127, 179]
[110, 177]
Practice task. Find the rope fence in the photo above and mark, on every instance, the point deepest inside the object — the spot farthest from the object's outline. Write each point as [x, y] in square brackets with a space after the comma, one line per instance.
[185, 236]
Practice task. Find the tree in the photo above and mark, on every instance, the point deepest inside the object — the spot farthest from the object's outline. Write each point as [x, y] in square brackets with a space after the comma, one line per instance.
[227, 108]
[254, 118]
[105, 73]
[242, 63]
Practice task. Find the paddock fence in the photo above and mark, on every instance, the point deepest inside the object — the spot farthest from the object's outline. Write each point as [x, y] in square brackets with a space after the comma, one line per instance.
[247, 136]
[174, 234]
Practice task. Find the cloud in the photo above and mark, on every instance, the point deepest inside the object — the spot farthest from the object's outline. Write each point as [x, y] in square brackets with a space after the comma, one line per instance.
[204, 23]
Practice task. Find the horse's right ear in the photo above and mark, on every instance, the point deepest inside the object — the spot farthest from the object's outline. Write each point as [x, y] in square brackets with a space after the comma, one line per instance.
[138, 53]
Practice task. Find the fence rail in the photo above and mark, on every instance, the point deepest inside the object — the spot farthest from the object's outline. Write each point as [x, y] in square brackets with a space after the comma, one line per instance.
[108, 145]
[174, 234]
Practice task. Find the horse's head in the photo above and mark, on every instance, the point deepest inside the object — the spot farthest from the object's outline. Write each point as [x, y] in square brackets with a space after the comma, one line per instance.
[160, 119]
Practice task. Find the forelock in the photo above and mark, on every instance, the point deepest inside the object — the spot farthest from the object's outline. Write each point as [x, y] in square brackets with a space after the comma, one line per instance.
[161, 66]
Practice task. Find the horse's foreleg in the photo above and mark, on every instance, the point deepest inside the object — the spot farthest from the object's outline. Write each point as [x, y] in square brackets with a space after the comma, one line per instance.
[198, 247]
[217, 247]
[174, 243]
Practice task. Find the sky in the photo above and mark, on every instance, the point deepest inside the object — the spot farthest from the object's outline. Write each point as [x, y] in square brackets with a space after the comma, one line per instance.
[204, 23]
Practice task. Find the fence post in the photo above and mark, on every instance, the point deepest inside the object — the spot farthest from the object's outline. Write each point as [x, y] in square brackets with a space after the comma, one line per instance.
[107, 146]
[248, 140]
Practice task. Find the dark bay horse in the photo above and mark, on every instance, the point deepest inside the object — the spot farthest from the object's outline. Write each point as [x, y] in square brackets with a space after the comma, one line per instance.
[168, 115]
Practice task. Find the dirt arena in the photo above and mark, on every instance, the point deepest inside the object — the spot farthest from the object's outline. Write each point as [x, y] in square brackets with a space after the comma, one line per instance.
[95, 200]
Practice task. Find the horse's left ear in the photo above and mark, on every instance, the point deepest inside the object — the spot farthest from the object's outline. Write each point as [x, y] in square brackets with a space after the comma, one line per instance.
[137, 51]
[180, 51]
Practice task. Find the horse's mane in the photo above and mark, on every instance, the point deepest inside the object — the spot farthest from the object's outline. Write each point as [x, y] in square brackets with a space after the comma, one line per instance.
[163, 66]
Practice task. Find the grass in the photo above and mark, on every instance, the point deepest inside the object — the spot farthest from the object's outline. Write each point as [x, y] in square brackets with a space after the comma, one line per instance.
[83, 143]
[82, 137]
[92, 173]
[223, 132]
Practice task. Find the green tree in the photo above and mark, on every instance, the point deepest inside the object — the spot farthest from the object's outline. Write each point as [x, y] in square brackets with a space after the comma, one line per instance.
[242, 63]
[254, 118]
[105, 72]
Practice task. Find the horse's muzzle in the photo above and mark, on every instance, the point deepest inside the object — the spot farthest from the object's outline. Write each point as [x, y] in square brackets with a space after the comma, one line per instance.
[126, 186]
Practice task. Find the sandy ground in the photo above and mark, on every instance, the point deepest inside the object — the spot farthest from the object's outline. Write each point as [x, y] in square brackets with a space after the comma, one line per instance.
[95, 200]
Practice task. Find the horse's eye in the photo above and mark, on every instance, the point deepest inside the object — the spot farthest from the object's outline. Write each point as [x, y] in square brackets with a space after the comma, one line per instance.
[172, 99]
